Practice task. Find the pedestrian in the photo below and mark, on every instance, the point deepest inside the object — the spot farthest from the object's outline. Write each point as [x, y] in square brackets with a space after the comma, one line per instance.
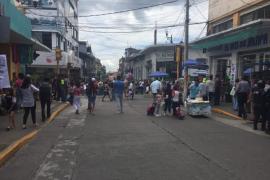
[11, 107]
[210, 84]
[194, 89]
[92, 94]
[242, 91]
[259, 108]
[217, 90]
[168, 99]
[71, 92]
[45, 97]
[18, 85]
[119, 88]
[77, 97]
[106, 91]
[175, 99]
[234, 95]
[28, 101]
[203, 89]
[267, 107]
[155, 88]
[141, 86]
[131, 90]
[158, 103]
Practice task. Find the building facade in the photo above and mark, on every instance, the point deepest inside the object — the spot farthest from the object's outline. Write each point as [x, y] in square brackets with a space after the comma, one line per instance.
[238, 39]
[16, 40]
[160, 57]
[55, 24]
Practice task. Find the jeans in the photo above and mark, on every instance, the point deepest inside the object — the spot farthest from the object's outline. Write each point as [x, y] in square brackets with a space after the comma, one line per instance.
[168, 105]
[211, 96]
[259, 112]
[217, 98]
[242, 101]
[174, 106]
[26, 114]
[43, 103]
[119, 101]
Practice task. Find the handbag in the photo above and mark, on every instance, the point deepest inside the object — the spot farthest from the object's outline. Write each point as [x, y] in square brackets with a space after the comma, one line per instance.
[232, 93]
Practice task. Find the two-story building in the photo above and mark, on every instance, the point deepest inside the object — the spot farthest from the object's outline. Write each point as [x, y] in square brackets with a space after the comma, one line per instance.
[238, 38]
[55, 24]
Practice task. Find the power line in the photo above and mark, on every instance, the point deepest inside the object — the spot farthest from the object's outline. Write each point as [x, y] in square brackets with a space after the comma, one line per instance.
[117, 12]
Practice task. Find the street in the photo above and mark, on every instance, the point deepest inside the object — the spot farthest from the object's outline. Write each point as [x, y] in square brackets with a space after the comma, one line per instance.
[132, 145]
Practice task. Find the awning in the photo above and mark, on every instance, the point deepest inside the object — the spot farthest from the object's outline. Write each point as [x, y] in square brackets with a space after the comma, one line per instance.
[240, 33]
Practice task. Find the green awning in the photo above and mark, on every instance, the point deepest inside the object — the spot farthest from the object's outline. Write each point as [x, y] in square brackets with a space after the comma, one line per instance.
[225, 38]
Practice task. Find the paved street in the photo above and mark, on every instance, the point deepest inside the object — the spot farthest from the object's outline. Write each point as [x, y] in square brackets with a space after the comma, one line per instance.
[134, 146]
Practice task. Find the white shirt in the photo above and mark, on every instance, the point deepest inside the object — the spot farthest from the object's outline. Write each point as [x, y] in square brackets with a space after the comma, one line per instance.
[210, 84]
[176, 96]
[155, 86]
[130, 86]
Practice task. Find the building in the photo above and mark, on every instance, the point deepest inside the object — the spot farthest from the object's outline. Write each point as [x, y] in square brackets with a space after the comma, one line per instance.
[55, 24]
[160, 57]
[88, 60]
[16, 40]
[237, 42]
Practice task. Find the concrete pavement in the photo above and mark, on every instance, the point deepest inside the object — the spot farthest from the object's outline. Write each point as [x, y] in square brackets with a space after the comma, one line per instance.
[135, 146]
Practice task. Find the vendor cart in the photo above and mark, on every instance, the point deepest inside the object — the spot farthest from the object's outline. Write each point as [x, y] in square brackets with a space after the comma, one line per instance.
[198, 107]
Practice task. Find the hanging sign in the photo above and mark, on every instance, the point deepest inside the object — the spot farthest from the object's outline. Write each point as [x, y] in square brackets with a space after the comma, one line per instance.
[4, 78]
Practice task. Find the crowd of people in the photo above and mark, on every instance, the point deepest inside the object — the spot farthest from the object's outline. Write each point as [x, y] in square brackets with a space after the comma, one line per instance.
[167, 96]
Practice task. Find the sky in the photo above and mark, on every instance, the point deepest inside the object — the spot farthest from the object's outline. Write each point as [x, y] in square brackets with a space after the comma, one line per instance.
[109, 47]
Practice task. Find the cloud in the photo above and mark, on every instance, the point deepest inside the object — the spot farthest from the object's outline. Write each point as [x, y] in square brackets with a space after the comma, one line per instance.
[110, 47]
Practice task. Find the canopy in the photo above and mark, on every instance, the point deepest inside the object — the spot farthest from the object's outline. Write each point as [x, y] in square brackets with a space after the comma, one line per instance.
[191, 63]
[158, 74]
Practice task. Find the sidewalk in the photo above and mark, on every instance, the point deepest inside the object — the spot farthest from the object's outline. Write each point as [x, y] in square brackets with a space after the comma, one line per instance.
[8, 137]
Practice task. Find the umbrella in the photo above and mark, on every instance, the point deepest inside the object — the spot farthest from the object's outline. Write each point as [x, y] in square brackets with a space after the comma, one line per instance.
[158, 74]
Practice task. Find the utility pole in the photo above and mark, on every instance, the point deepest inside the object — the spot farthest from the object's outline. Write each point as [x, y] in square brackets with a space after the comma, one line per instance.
[186, 48]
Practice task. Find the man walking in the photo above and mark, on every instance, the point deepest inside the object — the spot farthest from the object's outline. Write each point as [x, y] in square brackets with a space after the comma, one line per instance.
[210, 84]
[155, 88]
[45, 92]
[242, 91]
[119, 88]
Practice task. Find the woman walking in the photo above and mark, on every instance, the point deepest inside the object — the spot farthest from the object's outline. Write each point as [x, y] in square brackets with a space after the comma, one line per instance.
[168, 98]
[77, 98]
[92, 94]
[28, 100]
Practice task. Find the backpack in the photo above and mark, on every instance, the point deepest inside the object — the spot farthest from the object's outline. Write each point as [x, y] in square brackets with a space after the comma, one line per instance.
[150, 110]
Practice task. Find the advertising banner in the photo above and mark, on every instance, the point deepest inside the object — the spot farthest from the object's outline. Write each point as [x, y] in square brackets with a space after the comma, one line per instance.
[4, 78]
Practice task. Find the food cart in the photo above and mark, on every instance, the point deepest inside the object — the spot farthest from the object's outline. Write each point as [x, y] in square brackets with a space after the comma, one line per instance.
[198, 107]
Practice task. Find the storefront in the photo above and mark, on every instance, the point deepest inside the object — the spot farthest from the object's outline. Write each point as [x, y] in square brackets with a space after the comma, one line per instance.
[243, 51]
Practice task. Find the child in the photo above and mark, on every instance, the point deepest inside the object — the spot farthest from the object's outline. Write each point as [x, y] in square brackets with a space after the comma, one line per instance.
[158, 104]
[77, 99]
[11, 107]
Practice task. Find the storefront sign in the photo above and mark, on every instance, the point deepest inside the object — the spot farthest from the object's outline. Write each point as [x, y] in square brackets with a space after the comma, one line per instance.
[4, 78]
[256, 41]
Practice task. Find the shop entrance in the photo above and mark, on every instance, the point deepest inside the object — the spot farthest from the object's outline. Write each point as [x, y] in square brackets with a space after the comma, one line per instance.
[223, 68]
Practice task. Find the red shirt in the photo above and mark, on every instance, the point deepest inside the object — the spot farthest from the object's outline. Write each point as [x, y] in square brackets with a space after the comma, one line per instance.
[77, 91]
[18, 83]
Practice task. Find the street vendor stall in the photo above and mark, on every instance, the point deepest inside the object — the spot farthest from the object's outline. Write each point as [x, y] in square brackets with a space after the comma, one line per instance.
[198, 107]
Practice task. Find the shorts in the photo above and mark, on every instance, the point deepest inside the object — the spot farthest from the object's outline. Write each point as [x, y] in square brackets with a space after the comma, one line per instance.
[92, 99]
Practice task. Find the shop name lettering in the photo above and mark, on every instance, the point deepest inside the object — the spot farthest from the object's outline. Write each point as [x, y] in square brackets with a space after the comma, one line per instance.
[257, 41]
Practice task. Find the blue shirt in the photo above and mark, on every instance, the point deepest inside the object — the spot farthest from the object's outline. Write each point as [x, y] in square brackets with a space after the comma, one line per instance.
[118, 87]
[194, 90]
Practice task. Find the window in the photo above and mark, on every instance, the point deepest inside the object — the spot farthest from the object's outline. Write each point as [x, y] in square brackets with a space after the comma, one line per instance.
[47, 39]
[223, 26]
[262, 13]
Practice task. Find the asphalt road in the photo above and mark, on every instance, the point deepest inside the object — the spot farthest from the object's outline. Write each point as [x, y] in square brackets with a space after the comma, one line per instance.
[111, 146]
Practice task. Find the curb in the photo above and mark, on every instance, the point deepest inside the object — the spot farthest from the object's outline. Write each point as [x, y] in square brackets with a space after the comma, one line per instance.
[220, 111]
[17, 145]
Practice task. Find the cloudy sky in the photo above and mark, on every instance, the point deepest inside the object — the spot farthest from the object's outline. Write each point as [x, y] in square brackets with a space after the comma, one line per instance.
[105, 33]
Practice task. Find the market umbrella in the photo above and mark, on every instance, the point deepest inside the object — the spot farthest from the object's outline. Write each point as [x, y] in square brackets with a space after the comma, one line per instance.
[158, 74]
